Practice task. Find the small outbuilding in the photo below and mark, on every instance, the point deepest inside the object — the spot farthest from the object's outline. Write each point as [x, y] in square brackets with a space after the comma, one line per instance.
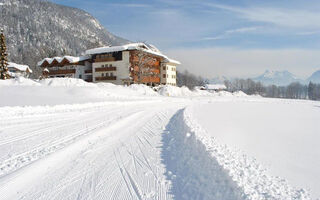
[18, 70]
[213, 87]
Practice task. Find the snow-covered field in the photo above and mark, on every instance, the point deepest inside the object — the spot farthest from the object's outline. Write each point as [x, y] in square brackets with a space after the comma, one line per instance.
[68, 139]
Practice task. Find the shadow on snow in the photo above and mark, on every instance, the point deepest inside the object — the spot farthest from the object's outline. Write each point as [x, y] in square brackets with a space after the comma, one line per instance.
[194, 173]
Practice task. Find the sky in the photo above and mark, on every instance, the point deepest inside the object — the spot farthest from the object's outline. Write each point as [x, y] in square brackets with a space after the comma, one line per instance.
[234, 38]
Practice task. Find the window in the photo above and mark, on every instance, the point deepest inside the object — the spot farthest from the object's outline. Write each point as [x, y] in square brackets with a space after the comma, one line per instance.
[167, 75]
[164, 76]
[164, 67]
[107, 74]
[102, 74]
[80, 76]
[111, 74]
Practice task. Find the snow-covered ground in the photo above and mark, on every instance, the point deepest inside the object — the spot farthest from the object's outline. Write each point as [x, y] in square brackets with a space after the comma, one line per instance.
[68, 139]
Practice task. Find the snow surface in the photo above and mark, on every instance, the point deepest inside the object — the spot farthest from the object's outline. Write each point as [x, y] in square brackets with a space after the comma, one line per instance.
[282, 135]
[69, 139]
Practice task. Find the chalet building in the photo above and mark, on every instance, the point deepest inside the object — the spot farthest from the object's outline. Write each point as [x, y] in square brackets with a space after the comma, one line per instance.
[18, 70]
[121, 65]
[67, 66]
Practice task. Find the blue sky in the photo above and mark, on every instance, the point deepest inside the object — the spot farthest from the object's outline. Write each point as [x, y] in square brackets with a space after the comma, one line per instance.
[232, 37]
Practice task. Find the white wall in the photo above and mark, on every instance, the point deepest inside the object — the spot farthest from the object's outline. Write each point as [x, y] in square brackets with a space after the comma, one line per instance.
[122, 71]
[170, 74]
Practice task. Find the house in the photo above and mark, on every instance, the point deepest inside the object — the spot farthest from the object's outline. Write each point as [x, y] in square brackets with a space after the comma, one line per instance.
[18, 70]
[214, 87]
[121, 65]
[67, 66]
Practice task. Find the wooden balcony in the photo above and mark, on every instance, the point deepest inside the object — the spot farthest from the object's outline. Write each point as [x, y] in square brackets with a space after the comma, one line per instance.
[88, 79]
[108, 59]
[105, 69]
[62, 71]
[150, 79]
[88, 71]
[106, 78]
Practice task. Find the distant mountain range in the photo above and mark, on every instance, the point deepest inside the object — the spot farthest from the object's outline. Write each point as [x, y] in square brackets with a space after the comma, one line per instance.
[279, 78]
[36, 29]
[315, 77]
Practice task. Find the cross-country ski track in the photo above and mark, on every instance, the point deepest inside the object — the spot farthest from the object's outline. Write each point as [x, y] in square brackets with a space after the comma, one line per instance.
[123, 150]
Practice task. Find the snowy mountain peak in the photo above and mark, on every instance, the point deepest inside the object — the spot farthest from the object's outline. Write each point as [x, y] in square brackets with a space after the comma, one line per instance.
[275, 74]
[270, 77]
[315, 77]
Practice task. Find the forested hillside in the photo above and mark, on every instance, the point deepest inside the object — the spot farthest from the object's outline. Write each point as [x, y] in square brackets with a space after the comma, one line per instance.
[36, 29]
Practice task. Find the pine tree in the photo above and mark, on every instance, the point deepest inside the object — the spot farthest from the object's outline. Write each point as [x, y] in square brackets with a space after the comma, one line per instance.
[3, 57]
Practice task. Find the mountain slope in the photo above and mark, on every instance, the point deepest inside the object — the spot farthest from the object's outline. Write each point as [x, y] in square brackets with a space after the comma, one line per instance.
[36, 29]
[315, 77]
[280, 78]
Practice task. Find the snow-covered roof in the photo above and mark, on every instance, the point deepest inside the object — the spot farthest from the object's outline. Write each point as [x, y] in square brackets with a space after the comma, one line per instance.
[173, 61]
[71, 59]
[215, 87]
[19, 67]
[132, 46]
[109, 49]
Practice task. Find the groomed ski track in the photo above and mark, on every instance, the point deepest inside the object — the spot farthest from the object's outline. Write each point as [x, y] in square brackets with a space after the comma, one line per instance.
[112, 150]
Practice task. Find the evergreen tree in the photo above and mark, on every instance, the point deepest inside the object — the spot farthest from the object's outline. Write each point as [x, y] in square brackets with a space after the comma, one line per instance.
[3, 57]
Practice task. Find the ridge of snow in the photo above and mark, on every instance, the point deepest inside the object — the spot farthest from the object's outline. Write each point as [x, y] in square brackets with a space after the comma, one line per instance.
[249, 175]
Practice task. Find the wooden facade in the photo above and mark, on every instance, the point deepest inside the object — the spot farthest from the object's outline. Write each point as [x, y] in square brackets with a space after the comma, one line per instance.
[105, 69]
[106, 78]
[62, 71]
[145, 67]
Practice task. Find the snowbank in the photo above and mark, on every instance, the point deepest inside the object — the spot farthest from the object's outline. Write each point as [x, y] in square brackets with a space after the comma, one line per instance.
[19, 81]
[53, 91]
[216, 171]
[282, 135]
[173, 91]
[56, 91]
[66, 82]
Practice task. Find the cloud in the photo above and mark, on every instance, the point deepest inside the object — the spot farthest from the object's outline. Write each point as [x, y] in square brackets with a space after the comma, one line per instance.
[214, 38]
[309, 33]
[227, 33]
[294, 18]
[243, 30]
[131, 5]
[233, 62]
